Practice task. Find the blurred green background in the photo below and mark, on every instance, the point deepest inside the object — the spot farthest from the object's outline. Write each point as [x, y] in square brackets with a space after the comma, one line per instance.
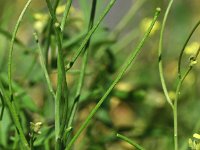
[137, 107]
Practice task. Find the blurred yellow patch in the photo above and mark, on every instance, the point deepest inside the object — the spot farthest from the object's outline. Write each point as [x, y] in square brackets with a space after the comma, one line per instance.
[146, 22]
[40, 16]
[197, 136]
[60, 9]
[192, 48]
[40, 21]
[124, 86]
[190, 79]
[172, 95]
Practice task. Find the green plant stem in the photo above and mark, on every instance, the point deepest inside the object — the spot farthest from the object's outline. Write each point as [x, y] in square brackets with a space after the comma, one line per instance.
[15, 118]
[175, 108]
[9, 98]
[10, 58]
[42, 62]
[129, 141]
[184, 46]
[83, 67]
[113, 36]
[3, 106]
[119, 76]
[49, 33]
[65, 15]
[160, 54]
[74, 40]
[62, 89]
[89, 34]
[61, 106]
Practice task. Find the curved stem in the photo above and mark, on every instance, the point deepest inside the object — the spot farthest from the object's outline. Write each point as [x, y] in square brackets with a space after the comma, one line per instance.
[129, 141]
[160, 55]
[123, 69]
[9, 99]
[184, 46]
[10, 57]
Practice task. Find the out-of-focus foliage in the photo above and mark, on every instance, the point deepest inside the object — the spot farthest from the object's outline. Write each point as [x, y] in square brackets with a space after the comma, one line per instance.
[136, 107]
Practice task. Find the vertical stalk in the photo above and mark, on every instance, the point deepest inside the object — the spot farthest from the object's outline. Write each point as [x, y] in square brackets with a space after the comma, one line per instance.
[15, 118]
[61, 104]
[83, 67]
[160, 49]
[12, 46]
[65, 15]
[49, 33]
[9, 99]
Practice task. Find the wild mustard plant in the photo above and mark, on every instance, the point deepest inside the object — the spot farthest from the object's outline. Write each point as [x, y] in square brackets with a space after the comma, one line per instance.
[181, 76]
[49, 34]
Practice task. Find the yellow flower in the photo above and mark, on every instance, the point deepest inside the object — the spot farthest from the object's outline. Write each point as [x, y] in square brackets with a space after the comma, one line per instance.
[192, 48]
[146, 22]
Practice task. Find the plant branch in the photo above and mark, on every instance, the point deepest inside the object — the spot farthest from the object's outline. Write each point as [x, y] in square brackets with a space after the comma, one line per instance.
[184, 46]
[119, 76]
[160, 55]
[129, 141]
[89, 34]
[10, 57]
[42, 62]
[83, 67]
